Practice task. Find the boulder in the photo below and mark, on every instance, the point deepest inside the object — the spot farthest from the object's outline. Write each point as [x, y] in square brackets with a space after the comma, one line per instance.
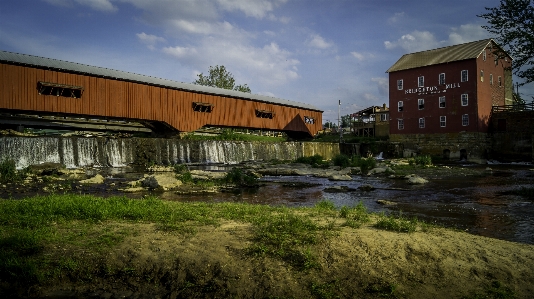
[207, 175]
[340, 177]
[415, 179]
[338, 189]
[367, 187]
[378, 170]
[97, 179]
[386, 202]
[47, 168]
[163, 181]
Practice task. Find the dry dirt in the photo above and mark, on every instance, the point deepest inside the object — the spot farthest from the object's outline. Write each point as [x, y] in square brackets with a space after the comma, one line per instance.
[356, 263]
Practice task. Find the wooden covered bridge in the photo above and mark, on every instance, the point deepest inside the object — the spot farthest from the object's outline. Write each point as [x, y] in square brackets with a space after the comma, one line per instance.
[49, 87]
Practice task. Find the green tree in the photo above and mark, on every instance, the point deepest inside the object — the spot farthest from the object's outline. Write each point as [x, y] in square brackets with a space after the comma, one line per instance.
[219, 77]
[513, 24]
[345, 121]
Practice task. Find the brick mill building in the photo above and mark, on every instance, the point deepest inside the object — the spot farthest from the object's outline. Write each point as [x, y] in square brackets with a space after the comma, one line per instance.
[441, 100]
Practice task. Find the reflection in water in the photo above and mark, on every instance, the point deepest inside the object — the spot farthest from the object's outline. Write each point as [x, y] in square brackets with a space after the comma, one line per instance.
[474, 204]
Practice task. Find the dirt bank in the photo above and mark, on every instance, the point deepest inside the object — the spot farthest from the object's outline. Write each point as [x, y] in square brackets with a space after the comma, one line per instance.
[356, 263]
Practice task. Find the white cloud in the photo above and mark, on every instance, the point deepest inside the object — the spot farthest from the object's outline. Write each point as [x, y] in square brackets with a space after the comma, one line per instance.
[317, 41]
[252, 8]
[414, 42]
[383, 85]
[396, 18]
[150, 40]
[467, 33]
[101, 5]
[361, 56]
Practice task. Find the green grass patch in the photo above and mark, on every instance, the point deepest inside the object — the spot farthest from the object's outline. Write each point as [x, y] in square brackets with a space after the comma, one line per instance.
[396, 223]
[232, 135]
[356, 216]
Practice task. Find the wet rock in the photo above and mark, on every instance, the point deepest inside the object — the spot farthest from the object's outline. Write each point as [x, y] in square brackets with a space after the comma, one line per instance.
[300, 185]
[340, 177]
[386, 202]
[338, 189]
[47, 168]
[355, 170]
[415, 179]
[366, 187]
[207, 175]
[164, 181]
[97, 179]
[379, 170]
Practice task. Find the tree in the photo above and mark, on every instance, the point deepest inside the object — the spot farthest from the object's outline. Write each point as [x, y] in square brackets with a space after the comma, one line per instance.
[513, 23]
[345, 121]
[221, 78]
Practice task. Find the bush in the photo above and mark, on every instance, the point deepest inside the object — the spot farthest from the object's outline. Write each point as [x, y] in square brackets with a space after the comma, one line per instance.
[341, 160]
[8, 171]
[315, 160]
[240, 178]
[365, 164]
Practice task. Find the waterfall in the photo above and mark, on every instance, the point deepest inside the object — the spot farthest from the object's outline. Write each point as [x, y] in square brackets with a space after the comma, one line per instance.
[76, 152]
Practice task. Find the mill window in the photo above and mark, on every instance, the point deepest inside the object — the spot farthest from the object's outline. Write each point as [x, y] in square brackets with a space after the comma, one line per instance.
[421, 104]
[442, 102]
[400, 84]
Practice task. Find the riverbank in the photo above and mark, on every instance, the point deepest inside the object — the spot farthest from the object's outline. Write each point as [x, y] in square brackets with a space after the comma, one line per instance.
[72, 246]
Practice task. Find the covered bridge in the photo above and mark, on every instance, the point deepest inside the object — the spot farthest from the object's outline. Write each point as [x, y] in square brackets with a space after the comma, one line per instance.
[44, 86]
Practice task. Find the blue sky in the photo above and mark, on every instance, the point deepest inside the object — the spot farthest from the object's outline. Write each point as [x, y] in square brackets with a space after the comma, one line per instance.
[317, 52]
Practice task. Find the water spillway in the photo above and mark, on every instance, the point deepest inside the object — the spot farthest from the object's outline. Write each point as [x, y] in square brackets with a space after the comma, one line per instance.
[76, 151]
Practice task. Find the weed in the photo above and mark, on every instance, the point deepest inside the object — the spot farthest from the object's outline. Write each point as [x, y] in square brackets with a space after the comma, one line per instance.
[8, 172]
[240, 178]
[382, 289]
[396, 223]
[315, 160]
[325, 205]
[365, 164]
[341, 160]
[355, 216]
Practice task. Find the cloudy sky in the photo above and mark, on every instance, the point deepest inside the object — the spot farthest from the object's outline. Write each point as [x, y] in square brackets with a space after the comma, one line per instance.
[317, 52]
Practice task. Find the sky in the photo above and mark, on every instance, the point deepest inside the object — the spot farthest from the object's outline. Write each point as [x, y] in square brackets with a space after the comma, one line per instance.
[318, 52]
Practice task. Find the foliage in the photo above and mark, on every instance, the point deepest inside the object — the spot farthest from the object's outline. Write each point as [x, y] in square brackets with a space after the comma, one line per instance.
[396, 223]
[219, 77]
[365, 164]
[230, 134]
[355, 216]
[341, 160]
[9, 173]
[315, 160]
[182, 173]
[345, 121]
[240, 178]
[513, 23]
[423, 160]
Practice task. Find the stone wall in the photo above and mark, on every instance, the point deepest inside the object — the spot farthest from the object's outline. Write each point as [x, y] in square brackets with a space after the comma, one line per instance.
[469, 146]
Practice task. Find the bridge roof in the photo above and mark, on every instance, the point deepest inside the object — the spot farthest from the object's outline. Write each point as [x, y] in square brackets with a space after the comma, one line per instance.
[78, 68]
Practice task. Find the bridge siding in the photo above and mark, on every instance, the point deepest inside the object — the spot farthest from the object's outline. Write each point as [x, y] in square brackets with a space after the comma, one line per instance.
[122, 99]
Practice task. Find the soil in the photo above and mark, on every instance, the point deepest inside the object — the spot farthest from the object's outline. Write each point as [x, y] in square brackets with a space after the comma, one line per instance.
[357, 263]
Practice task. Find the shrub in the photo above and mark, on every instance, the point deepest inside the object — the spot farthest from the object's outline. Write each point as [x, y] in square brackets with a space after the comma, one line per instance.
[8, 171]
[312, 160]
[341, 160]
[240, 178]
[365, 164]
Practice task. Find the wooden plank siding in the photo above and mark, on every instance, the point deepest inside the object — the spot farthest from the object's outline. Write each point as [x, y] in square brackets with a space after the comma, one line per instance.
[112, 98]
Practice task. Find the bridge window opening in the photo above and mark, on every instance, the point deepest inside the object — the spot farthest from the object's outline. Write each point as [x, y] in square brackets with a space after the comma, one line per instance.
[309, 120]
[202, 107]
[463, 155]
[446, 154]
[264, 114]
[59, 90]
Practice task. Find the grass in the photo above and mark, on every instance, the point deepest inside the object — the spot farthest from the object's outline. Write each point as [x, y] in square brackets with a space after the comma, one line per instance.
[229, 134]
[30, 227]
[397, 223]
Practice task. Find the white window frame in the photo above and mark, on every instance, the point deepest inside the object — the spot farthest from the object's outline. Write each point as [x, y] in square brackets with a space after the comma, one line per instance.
[421, 104]
[481, 75]
[400, 124]
[421, 81]
[465, 120]
[384, 117]
[464, 76]
[443, 121]
[400, 84]
[465, 99]
[442, 102]
[400, 106]
[484, 55]
[421, 123]
[441, 79]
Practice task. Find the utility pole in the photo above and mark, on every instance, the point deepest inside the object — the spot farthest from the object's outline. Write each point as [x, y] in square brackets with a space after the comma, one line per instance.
[339, 122]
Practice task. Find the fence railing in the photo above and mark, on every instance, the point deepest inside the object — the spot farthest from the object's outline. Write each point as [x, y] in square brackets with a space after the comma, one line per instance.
[514, 107]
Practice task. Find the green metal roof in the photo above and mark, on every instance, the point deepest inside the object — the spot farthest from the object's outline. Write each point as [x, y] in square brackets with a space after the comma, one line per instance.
[441, 55]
